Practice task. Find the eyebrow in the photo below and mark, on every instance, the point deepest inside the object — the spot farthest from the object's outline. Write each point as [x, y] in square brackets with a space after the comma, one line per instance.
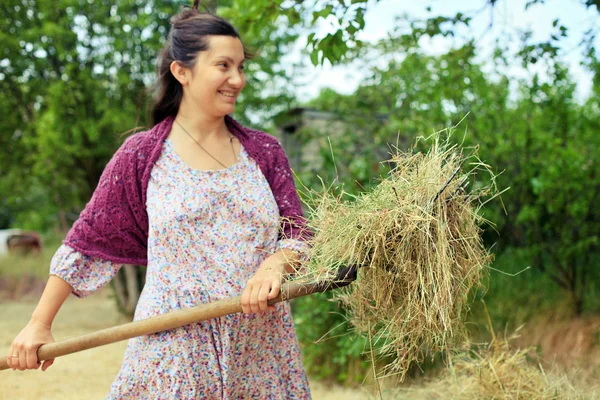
[229, 59]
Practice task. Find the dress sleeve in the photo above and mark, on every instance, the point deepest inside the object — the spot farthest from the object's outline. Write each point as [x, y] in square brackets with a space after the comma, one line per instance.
[299, 246]
[85, 274]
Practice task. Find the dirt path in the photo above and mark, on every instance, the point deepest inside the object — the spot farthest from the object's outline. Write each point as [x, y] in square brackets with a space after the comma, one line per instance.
[89, 374]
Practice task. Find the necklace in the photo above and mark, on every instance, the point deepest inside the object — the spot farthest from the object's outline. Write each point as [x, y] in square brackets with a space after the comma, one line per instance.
[206, 151]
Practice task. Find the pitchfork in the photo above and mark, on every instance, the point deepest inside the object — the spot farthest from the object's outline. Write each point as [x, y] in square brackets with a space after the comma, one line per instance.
[177, 319]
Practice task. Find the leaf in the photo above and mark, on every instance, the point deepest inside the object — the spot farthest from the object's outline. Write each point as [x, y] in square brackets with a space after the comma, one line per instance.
[351, 29]
[314, 57]
[324, 13]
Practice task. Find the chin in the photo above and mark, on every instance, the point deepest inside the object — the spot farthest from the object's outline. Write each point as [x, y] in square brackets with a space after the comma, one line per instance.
[227, 110]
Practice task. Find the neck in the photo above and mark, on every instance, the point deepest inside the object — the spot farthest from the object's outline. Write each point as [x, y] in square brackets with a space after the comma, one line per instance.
[201, 126]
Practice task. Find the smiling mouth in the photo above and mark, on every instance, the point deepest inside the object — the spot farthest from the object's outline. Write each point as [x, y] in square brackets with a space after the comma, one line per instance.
[228, 94]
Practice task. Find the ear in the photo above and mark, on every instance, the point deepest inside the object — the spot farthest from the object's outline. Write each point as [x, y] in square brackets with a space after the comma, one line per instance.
[180, 72]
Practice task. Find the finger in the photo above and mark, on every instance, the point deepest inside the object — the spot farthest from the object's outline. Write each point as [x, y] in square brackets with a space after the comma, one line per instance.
[262, 297]
[254, 299]
[9, 358]
[31, 359]
[275, 287]
[14, 361]
[246, 299]
[47, 363]
[22, 360]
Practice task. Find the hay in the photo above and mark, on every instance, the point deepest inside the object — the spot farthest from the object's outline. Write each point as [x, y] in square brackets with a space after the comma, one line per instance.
[497, 372]
[417, 239]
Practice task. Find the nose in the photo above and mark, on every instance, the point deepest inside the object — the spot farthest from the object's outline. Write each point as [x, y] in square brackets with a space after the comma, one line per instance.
[237, 79]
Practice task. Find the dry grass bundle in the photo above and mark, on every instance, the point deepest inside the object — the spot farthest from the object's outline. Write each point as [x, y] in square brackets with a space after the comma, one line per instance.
[498, 372]
[417, 239]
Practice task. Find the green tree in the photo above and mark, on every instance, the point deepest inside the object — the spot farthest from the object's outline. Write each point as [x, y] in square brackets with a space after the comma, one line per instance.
[543, 141]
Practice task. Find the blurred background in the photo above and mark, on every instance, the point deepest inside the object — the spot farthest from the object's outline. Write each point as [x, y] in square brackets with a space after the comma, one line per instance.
[340, 83]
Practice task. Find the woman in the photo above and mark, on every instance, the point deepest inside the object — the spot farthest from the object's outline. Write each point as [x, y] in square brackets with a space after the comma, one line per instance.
[199, 199]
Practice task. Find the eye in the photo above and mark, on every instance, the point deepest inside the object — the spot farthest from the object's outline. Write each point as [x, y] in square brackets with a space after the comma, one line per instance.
[242, 67]
[222, 64]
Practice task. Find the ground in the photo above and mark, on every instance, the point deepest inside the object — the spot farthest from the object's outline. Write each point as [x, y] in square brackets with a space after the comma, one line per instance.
[88, 374]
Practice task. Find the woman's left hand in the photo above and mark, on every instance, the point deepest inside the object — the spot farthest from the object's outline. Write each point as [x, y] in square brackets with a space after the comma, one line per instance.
[263, 286]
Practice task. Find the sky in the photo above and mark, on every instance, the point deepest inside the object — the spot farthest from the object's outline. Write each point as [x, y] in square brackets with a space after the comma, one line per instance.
[508, 15]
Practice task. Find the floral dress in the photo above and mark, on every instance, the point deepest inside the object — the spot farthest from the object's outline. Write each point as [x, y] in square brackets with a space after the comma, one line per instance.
[208, 233]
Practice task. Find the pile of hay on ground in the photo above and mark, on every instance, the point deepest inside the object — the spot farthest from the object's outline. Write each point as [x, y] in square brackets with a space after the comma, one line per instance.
[417, 239]
[498, 372]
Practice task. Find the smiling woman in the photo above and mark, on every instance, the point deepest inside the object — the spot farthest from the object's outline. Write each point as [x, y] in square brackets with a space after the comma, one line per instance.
[211, 208]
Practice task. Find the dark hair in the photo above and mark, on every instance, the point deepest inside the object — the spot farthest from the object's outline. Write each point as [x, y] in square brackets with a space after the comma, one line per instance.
[188, 36]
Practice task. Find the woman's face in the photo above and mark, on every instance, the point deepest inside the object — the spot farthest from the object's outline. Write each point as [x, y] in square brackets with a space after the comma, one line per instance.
[217, 78]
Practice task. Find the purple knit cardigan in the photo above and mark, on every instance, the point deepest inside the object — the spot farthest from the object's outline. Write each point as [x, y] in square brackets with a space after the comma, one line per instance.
[114, 224]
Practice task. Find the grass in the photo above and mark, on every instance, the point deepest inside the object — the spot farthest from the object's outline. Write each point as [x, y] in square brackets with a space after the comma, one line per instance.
[15, 266]
[498, 372]
[517, 295]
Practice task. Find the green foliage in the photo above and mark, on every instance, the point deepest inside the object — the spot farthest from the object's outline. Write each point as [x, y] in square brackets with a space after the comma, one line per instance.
[328, 347]
[347, 19]
[73, 77]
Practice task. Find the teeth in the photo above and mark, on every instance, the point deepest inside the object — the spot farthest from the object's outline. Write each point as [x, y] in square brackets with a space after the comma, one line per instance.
[228, 94]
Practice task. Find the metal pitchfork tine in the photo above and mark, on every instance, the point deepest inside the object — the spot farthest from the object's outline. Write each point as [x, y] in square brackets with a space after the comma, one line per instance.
[179, 318]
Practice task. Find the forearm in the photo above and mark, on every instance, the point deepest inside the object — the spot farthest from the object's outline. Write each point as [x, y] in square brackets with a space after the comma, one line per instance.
[53, 297]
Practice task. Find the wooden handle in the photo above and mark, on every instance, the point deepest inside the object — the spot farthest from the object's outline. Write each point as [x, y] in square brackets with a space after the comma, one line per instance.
[172, 320]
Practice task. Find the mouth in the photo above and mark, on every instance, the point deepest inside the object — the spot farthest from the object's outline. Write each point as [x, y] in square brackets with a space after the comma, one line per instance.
[231, 95]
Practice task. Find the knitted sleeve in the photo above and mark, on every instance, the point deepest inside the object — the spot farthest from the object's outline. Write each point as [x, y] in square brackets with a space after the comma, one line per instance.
[113, 226]
[281, 180]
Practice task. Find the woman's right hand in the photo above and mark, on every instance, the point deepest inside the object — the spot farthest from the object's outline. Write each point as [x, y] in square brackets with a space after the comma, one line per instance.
[23, 350]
